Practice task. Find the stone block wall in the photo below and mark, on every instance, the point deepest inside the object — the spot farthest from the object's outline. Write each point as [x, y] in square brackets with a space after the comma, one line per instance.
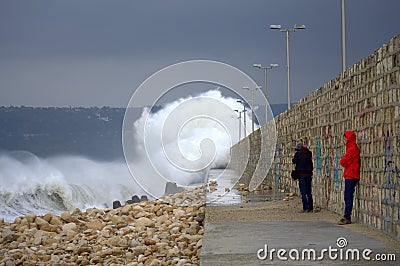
[365, 98]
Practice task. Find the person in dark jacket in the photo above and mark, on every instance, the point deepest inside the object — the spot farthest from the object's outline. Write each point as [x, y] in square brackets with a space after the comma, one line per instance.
[304, 167]
[351, 163]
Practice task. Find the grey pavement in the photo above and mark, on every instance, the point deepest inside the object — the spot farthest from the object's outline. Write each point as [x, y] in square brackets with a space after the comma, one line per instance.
[237, 243]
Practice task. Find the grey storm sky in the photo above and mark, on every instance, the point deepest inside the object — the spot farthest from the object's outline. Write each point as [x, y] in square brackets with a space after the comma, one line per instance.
[97, 52]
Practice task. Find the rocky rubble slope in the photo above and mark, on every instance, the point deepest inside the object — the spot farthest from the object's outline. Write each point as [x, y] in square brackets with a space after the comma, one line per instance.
[159, 232]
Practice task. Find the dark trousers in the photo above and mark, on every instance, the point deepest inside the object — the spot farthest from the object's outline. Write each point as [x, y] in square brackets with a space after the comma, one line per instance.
[306, 192]
[349, 187]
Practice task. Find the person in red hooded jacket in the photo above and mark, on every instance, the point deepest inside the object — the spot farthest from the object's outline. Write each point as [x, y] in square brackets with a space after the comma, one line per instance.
[351, 163]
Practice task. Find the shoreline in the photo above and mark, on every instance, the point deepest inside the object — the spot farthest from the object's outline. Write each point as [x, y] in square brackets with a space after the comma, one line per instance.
[154, 232]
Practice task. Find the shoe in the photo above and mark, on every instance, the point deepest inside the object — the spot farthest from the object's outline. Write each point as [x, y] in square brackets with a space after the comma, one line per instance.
[344, 221]
[302, 211]
[310, 211]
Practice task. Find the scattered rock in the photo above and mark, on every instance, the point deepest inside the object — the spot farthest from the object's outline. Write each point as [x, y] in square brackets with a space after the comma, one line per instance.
[149, 242]
[8, 235]
[94, 224]
[117, 241]
[66, 216]
[69, 226]
[125, 210]
[171, 188]
[129, 202]
[200, 218]
[55, 220]
[40, 222]
[49, 228]
[144, 198]
[148, 232]
[116, 204]
[48, 217]
[137, 208]
[10, 263]
[144, 222]
[117, 219]
[135, 199]
[31, 218]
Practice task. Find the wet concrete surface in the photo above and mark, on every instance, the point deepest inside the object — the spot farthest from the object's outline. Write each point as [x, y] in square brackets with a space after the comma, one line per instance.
[227, 194]
[229, 242]
[238, 243]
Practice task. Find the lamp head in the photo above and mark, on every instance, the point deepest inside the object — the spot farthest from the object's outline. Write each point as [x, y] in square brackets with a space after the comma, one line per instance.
[275, 27]
[299, 27]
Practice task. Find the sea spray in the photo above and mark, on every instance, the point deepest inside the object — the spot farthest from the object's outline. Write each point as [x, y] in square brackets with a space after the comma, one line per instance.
[29, 184]
[169, 149]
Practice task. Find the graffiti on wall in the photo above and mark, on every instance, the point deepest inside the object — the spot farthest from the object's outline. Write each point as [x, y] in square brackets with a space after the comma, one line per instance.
[337, 182]
[318, 153]
[390, 208]
[278, 166]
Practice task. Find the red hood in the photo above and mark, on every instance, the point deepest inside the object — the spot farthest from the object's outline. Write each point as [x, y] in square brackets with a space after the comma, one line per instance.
[350, 136]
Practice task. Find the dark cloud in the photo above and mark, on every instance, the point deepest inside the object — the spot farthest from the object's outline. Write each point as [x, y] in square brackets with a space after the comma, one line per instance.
[96, 52]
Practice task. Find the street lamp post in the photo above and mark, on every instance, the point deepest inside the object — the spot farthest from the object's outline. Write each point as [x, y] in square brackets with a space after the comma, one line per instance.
[244, 116]
[252, 105]
[343, 15]
[295, 27]
[240, 123]
[265, 68]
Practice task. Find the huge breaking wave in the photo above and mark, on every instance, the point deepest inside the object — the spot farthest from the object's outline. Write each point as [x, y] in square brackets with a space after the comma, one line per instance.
[29, 184]
[168, 143]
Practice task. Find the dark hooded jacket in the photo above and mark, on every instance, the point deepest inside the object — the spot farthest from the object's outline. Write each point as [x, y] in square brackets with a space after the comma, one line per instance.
[303, 160]
[351, 160]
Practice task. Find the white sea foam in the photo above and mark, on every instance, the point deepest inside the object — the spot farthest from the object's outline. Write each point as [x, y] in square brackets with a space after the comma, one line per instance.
[168, 150]
[29, 184]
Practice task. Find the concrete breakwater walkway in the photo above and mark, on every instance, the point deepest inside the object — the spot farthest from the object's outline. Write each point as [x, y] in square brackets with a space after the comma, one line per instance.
[251, 233]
